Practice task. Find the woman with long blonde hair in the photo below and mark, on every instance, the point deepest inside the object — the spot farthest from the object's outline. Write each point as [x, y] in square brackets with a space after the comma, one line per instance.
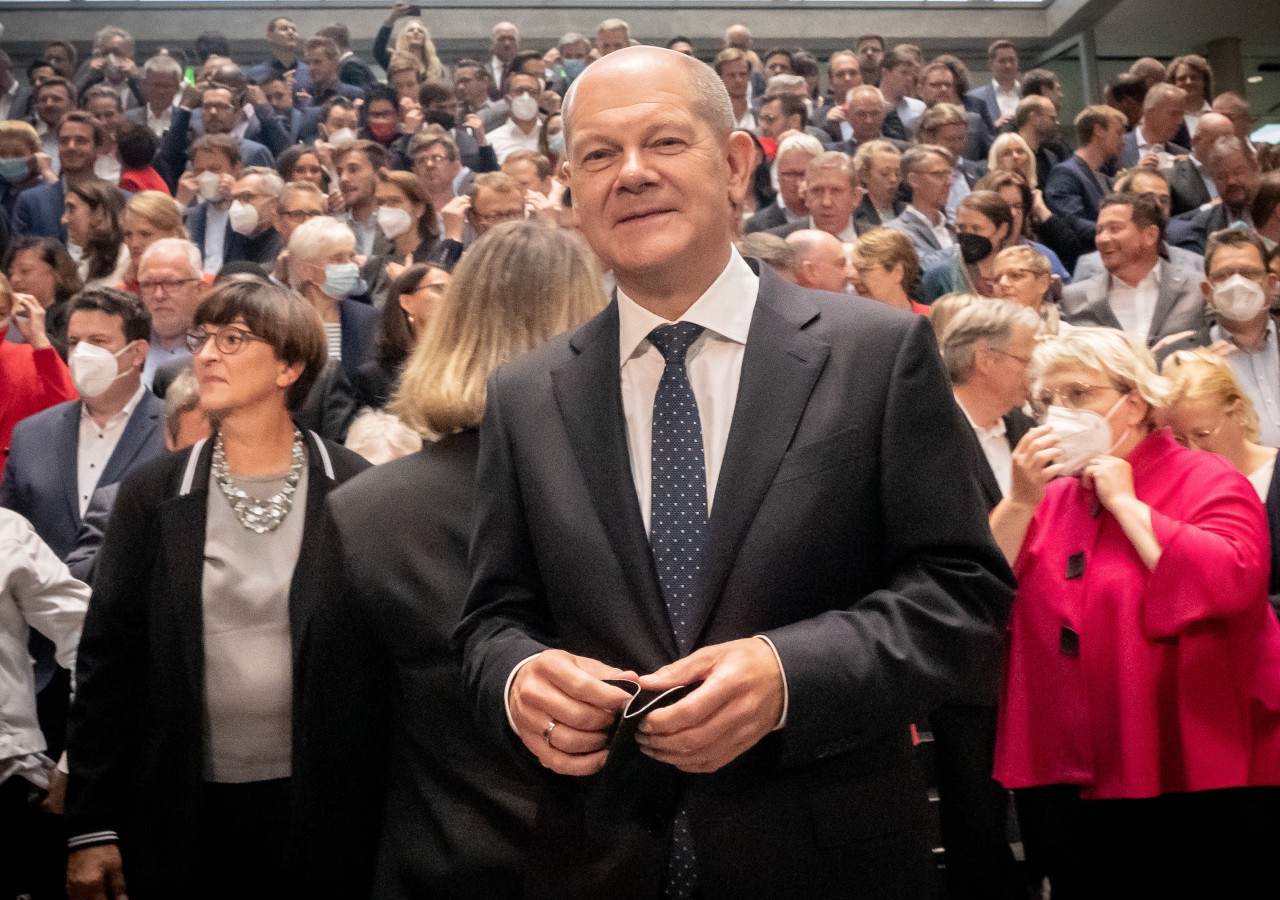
[458, 810]
[405, 33]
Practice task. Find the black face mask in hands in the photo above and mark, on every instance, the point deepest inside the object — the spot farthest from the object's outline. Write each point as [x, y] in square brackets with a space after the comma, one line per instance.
[445, 120]
[974, 247]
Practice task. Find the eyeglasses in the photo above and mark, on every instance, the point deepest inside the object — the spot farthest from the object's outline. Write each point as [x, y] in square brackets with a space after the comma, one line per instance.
[301, 215]
[1025, 360]
[1218, 276]
[497, 218]
[1073, 396]
[166, 287]
[217, 107]
[1200, 435]
[1015, 275]
[229, 341]
[435, 159]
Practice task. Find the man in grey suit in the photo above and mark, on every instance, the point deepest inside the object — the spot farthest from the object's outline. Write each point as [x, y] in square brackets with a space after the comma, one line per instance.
[927, 170]
[1191, 186]
[1138, 293]
[1143, 180]
[1151, 142]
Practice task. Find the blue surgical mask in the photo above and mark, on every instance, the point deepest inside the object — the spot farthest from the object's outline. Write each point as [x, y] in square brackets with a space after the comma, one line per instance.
[573, 67]
[340, 279]
[15, 168]
[555, 143]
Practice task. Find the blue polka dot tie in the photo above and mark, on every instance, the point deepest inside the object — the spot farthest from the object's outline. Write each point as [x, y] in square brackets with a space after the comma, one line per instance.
[677, 535]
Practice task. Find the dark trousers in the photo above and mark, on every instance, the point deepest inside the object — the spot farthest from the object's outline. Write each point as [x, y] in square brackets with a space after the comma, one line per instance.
[973, 807]
[244, 841]
[1203, 844]
[33, 856]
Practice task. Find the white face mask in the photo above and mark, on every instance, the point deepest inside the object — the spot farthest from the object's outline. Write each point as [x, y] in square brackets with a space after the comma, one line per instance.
[340, 279]
[393, 221]
[207, 184]
[243, 218]
[93, 369]
[342, 136]
[1082, 435]
[1239, 299]
[523, 107]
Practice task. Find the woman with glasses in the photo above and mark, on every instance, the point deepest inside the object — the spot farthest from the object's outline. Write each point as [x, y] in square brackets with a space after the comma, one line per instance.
[1211, 412]
[413, 299]
[1034, 224]
[1139, 725]
[1023, 275]
[195, 738]
[458, 811]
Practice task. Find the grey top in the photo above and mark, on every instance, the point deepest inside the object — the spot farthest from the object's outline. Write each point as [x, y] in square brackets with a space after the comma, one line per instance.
[248, 658]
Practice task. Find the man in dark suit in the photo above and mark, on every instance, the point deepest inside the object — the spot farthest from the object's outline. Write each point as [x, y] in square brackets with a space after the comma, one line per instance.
[1154, 136]
[795, 152]
[1235, 175]
[221, 110]
[786, 771]
[1076, 187]
[1190, 184]
[322, 62]
[57, 460]
[863, 120]
[282, 41]
[352, 69]
[38, 210]
[999, 97]
[1138, 293]
[832, 194]
[987, 351]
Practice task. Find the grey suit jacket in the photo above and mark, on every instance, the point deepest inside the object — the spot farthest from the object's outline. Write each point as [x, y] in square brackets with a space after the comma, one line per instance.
[931, 253]
[1187, 187]
[1180, 307]
[1189, 261]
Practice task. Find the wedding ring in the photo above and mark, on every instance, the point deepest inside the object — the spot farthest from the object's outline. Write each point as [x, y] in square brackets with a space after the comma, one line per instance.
[546, 732]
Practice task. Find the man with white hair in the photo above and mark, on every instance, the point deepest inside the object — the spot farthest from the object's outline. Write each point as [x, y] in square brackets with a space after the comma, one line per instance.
[171, 285]
[1190, 184]
[820, 263]
[1151, 142]
[794, 154]
[160, 86]
[504, 44]
[254, 212]
[612, 35]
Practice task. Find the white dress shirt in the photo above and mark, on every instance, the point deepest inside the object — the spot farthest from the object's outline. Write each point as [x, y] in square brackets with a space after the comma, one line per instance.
[1258, 372]
[160, 124]
[1007, 101]
[509, 138]
[1135, 306]
[215, 237]
[995, 447]
[747, 122]
[97, 445]
[909, 111]
[36, 591]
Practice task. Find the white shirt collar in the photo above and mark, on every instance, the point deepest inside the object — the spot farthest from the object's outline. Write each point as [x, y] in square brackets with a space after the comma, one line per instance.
[724, 308]
[1149, 282]
[942, 219]
[995, 431]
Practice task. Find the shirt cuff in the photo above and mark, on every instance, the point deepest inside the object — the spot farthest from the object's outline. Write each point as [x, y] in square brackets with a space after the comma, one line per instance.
[62, 764]
[506, 691]
[93, 839]
[786, 694]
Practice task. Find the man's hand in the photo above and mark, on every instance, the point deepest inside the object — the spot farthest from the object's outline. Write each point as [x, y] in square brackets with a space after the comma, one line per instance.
[44, 168]
[96, 873]
[28, 318]
[1003, 121]
[476, 124]
[191, 97]
[1150, 160]
[738, 703]
[188, 187]
[568, 690]
[454, 216]
[541, 207]
[837, 114]
[255, 95]
[56, 800]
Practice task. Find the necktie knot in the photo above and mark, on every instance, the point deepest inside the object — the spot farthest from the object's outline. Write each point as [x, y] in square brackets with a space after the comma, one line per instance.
[674, 341]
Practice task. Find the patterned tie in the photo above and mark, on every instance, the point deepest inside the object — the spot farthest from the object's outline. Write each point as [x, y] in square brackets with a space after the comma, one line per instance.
[677, 535]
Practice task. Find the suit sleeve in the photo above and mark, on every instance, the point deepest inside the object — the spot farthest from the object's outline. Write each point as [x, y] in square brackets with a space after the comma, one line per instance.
[505, 619]
[892, 656]
[270, 133]
[171, 158]
[111, 670]
[1062, 196]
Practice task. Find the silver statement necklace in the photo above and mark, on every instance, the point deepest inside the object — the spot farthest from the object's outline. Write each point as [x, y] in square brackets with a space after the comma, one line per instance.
[258, 516]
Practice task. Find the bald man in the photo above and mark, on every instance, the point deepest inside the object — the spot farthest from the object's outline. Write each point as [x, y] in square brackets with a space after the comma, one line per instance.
[821, 263]
[1190, 184]
[712, 492]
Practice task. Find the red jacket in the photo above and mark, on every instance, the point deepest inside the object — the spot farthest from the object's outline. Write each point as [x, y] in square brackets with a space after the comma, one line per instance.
[1131, 682]
[30, 381]
[148, 179]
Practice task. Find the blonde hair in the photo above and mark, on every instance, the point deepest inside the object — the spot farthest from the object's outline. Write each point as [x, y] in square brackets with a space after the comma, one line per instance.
[1030, 257]
[162, 213]
[1204, 375]
[427, 56]
[886, 247]
[519, 285]
[998, 146]
[864, 157]
[16, 128]
[1118, 357]
[403, 61]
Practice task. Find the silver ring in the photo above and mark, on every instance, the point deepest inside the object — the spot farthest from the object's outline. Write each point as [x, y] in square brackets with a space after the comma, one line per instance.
[546, 732]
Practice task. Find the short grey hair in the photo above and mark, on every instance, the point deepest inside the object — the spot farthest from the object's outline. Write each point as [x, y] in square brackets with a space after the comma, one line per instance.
[983, 322]
[1223, 148]
[1113, 354]
[1162, 93]
[318, 237]
[833, 159]
[805, 143]
[614, 25]
[918, 155]
[181, 397]
[272, 183]
[162, 64]
[569, 38]
[787, 84]
[111, 31]
[175, 246]
[710, 104]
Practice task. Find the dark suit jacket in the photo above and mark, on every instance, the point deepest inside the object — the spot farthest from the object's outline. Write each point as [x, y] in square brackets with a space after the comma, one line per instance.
[459, 810]
[986, 103]
[137, 723]
[1190, 231]
[866, 217]
[356, 72]
[42, 473]
[171, 158]
[38, 210]
[1180, 307]
[1129, 156]
[1187, 187]
[772, 216]
[359, 333]
[878, 607]
[859, 226]
[260, 248]
[93, 528]
[1075, 194]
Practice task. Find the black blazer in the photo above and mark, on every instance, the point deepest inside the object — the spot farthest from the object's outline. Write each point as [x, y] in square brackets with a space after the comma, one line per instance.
[136, 727]
[772, 216]
[459, 810]
[868, 564]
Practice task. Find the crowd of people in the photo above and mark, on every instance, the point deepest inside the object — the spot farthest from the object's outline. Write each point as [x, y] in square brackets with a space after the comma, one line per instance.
[588, 472]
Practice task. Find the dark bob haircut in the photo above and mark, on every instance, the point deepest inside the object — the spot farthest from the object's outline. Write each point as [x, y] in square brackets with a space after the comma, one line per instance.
[278, 316]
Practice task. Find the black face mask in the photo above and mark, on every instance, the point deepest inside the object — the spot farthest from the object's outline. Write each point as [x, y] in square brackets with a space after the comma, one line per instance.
[974, 247]
[445, 120]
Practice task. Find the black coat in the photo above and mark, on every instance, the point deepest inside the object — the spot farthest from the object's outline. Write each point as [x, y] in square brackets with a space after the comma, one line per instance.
[136, 727]
[459, 810]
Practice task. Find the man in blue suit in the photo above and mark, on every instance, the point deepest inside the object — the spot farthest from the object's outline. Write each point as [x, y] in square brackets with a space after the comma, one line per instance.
[1076, 187]
[60, 456]
[1161, 122]
[38, 210]
[999, 97]
[222, 109]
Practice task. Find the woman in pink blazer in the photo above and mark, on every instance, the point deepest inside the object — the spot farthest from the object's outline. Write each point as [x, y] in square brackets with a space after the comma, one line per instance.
[1140, 711]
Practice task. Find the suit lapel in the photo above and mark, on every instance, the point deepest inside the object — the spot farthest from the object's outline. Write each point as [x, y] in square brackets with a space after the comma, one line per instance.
[781, 364]
[138, 432]
[1098, 303]
[1170, 289]
[68, 457]
[588, 391]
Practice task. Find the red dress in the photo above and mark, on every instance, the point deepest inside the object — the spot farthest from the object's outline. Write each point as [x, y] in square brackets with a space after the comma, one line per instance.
[1131, 682]
[30, 381]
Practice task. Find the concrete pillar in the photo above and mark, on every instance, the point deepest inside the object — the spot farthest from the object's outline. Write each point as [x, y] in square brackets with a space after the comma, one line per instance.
[1090, 82]
[1228, 69]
